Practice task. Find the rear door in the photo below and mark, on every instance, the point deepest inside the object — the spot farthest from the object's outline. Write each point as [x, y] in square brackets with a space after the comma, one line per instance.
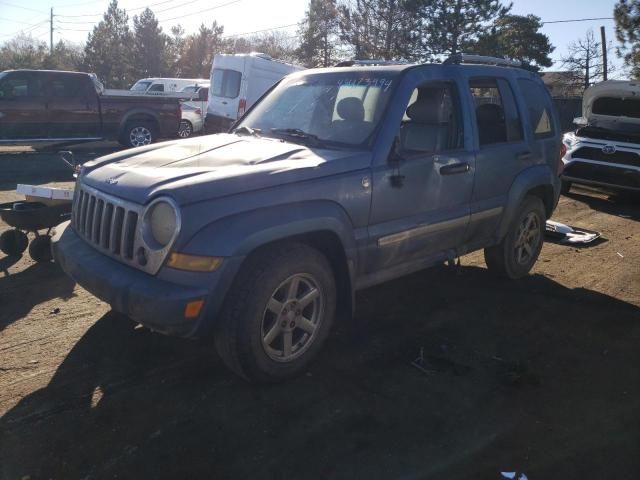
[22, 106]
[502, 152]
[224, 92]
[72, 107]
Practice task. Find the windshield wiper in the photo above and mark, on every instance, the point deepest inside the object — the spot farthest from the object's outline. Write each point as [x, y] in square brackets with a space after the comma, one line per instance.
[244, 130]
[298, 134]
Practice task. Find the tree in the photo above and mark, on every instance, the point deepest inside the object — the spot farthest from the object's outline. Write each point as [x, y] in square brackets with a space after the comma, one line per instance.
[65, 56]
[517, 37]
[447, 25]
[108, 52]
[627, 18]
[379, 29]
[152, 57]
[23, 51]
[198, 51]
[585, 60]
[319, 34]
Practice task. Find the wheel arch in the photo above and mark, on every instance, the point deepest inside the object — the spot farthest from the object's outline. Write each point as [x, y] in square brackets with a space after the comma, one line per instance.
[138, 114]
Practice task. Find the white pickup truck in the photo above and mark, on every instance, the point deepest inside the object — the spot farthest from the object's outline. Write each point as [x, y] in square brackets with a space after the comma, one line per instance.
[605, 150]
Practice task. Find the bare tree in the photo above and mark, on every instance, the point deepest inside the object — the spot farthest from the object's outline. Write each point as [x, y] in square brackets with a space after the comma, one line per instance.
[585, 61]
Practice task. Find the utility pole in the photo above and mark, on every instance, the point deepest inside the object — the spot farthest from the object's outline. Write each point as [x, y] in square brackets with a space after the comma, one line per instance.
[51, 33]
[604, 53]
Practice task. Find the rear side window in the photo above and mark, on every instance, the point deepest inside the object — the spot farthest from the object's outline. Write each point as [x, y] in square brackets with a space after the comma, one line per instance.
[67, 86]
[497, 116]
[539, 106]
[617, 107]
[226, 83]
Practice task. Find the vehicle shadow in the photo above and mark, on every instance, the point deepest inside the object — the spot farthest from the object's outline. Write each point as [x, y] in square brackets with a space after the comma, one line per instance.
[514, 372]
[20, 292]
[621, 205]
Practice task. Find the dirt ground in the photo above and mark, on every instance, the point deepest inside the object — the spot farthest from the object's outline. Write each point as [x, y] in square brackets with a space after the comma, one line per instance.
[539, 376]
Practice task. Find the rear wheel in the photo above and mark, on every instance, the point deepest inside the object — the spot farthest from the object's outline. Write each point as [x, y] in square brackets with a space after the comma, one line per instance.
[138, 134]
[13, 242]
[279, 313]
[186, 129]
[517, 253]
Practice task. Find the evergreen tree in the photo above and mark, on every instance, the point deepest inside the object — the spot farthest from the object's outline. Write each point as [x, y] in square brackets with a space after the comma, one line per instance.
[198, 51]
[108, 52]
[517, 37]
[319, 34]
[447, 25]
[627, 18]
[379, 29]
[65, 56]
[151, 47]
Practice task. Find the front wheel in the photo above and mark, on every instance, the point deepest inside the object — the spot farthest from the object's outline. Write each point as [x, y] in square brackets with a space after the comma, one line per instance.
[515, 256]
[278, 314]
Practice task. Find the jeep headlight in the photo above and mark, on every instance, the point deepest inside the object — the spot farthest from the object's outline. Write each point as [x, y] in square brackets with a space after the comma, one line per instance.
[162, 222]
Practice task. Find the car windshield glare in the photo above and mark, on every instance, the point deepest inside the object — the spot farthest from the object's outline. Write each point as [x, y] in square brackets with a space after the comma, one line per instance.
[332, 108]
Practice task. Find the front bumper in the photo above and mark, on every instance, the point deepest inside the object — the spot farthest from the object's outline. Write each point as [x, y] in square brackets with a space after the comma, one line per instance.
[155, 303]
[617, 177]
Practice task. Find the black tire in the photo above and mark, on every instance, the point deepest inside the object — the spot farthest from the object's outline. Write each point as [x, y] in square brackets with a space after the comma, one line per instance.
[565, 188]
[13, 242]
[186, 129]
[138, 133]
[40, 249]
[506, 259]
[239, 336]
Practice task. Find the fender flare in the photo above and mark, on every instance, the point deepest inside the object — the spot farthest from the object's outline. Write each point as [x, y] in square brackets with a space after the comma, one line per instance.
[539, 178]
[137, 112]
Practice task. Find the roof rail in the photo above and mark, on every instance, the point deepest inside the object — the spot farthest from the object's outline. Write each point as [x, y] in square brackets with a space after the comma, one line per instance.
[459, 58]
[369, 63]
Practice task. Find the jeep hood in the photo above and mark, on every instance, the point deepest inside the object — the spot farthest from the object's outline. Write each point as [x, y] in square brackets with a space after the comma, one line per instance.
[213, 166]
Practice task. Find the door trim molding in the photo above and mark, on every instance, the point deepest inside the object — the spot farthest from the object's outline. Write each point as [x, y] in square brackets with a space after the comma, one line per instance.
[422, 230]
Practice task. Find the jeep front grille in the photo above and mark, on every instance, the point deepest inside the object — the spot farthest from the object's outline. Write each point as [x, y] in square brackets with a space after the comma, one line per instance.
[108, 224]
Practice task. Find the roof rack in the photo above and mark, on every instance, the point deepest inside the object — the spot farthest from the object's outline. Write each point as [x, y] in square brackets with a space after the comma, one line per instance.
[459, 58]
[369, 63]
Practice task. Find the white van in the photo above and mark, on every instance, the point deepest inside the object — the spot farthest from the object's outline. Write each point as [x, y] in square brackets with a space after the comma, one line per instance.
[162, 85]
[237, 81]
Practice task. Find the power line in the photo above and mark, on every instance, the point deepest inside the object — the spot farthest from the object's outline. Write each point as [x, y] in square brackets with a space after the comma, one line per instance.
[200, 12]
[32, 28]
[577, 20]
[135, 9]
[24, 8]
[260, 31]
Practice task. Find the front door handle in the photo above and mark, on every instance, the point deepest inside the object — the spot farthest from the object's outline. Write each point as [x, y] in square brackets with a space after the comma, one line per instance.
[455, 168]
[524, 156]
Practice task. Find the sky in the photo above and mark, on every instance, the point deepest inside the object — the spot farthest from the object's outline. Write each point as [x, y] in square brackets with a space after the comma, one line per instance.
[72, 18]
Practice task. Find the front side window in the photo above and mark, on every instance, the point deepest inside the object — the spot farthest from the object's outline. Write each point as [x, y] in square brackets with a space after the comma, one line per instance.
[15, 86]
[226, 83]
[141, 86]
[158, 87]
[539, 106]
[432, 121]
[334, 108]
[67, 86]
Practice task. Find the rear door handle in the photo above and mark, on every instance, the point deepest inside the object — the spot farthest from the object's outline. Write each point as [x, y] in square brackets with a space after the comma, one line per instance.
[454, 169]
[524, 156]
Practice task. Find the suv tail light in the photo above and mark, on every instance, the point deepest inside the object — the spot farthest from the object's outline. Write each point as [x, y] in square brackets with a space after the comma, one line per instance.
[563, 152]
[242, 106]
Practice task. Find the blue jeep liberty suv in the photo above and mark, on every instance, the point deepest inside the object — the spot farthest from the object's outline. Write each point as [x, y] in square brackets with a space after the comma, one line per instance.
[336, 180]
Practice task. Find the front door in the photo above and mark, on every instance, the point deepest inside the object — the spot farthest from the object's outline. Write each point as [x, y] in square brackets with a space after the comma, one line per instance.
[22, 107]
[420, 205]
[72, 107]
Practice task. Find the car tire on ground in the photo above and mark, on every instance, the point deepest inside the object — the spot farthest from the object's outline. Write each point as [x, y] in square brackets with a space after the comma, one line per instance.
[565, 188]
[186, 129]
[40, 249]
[138, 134]
[514, 257]
[278, 313]
[13, 242]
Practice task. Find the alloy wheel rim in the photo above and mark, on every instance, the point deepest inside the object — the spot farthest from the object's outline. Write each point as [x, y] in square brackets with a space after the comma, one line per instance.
[292, 318]
[185, 130]
[140, 136]
[527, 238]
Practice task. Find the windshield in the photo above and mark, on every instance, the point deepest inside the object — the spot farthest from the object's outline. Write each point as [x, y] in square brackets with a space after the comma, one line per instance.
[140, 86]
[339, 108]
